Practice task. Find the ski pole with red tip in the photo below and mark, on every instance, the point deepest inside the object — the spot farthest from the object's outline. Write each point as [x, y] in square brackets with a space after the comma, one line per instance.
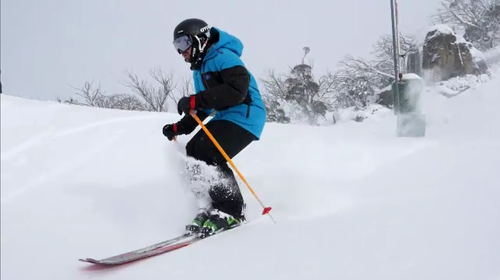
[266, 209]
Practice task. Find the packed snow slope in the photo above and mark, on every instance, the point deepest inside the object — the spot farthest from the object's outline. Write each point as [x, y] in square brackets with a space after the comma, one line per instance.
[351, 201]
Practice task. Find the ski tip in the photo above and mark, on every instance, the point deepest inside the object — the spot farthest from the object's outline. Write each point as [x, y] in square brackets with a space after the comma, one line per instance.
[89, 260]
[266, 210]
[98, 262]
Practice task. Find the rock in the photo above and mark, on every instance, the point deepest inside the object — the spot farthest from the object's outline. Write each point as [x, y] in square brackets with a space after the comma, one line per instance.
[445, 55]
[385, 97]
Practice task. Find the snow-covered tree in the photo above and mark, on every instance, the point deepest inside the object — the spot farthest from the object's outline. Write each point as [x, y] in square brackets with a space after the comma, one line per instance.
[304, 98]
[383, 57]
[357, 80]
[353, 89]
[478, 19]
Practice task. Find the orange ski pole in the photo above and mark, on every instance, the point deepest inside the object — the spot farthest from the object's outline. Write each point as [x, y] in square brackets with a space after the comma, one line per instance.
[266, 209]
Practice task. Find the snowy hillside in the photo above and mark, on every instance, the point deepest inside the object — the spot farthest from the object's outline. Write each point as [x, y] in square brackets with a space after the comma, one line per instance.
[351, 201]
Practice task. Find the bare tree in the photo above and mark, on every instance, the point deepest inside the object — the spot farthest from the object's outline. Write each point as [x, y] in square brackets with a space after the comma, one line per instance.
[71, 100]
[467, 13]
[186, 88]
[306, 51]
[92, 97]
[275, 92]
[327, 87]
[383, 55]
[358, 66]
[155, 98]
[275, 84]
[381, 64]
[123, 102]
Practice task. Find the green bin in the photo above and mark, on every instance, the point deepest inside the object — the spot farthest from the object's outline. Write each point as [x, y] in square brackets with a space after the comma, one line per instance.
[408, 107]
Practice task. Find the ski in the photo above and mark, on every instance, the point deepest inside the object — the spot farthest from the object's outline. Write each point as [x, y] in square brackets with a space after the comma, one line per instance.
[152, 250]
[146, 252]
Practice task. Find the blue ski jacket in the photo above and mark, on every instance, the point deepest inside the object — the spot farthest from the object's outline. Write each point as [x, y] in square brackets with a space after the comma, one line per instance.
[223, 83]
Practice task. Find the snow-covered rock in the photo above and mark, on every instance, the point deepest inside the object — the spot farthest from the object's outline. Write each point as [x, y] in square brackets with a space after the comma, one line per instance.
[446, 55]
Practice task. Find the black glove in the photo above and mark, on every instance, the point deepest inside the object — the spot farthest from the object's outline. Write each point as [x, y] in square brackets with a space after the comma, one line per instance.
[186, 104]
[170, 131]
[192, 102]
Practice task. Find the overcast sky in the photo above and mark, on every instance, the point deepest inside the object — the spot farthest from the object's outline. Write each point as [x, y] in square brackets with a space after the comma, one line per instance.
[47, 46]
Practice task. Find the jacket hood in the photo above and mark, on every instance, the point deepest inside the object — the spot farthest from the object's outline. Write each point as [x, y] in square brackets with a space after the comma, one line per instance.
[226, 41]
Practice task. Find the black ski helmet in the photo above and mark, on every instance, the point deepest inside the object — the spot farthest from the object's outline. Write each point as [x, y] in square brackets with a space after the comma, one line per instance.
[193, 33]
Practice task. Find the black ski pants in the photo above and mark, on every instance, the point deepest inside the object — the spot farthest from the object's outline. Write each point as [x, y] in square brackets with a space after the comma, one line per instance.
[226, 197]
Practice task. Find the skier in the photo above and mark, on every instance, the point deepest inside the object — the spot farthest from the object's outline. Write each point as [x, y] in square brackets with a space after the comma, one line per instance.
[224, 85]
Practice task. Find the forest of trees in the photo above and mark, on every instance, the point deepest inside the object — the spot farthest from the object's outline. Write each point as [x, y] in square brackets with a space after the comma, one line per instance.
[300, 96]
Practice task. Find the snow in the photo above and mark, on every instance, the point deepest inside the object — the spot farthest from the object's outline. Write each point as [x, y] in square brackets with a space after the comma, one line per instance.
[477, 55]
[439, 30]
[492, 56]
[461, 39]
[411, 76]
[351, 201]
[371, 111]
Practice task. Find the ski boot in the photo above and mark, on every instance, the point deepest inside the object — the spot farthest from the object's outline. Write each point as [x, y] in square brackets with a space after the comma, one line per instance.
[198, 221]
[219, 221]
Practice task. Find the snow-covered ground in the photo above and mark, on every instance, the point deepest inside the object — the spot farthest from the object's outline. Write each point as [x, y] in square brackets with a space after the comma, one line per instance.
[351, 201]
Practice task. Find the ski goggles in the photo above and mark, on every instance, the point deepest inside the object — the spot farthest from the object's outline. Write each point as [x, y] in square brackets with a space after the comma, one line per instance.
[182, 43]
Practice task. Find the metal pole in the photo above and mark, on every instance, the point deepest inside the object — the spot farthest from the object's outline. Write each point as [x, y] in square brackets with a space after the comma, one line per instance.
[398, 41]
[396, 54]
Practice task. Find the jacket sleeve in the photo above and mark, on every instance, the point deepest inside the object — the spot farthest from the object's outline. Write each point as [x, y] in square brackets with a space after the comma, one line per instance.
[232, 91]
[188, 124]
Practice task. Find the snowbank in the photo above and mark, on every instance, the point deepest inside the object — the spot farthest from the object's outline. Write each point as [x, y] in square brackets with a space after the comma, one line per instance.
[352, 201]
